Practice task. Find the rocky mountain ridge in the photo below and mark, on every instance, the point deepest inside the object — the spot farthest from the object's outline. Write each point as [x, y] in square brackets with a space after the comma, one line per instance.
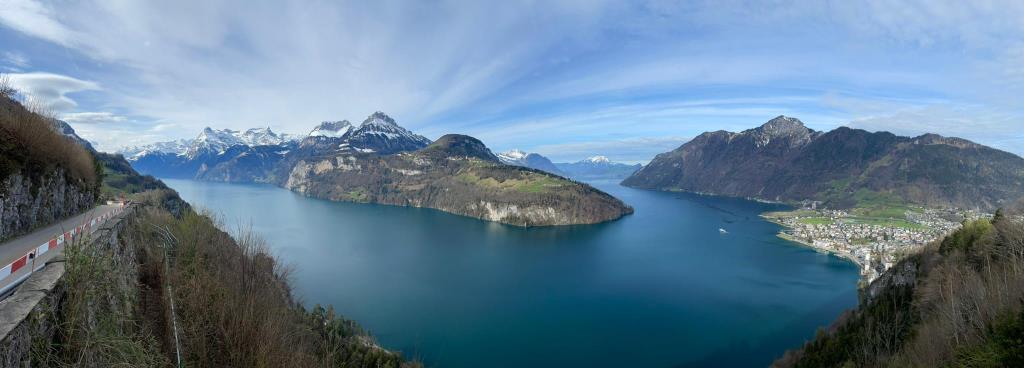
[532, 160]
[783, 160]
[591, 168]
[382, 162]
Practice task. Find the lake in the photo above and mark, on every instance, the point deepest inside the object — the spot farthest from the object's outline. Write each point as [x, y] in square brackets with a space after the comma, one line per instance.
[660, 288]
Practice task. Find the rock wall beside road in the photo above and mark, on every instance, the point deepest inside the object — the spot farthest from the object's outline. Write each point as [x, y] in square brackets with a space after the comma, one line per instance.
[27, 203]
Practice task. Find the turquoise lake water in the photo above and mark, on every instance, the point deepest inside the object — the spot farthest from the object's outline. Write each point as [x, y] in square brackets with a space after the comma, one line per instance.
[660, 288]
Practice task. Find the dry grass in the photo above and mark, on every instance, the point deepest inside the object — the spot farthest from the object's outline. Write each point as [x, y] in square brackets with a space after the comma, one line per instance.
[29, 141]
[965, 294]
[231, 303]
[234, 307]
[96, 325]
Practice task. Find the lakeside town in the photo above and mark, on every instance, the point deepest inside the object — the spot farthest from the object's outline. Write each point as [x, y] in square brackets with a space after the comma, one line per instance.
[873, 239]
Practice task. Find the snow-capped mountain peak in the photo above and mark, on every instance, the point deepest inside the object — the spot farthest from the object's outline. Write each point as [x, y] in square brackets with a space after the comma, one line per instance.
[177, 147]
[331, 129]
[597, 160]
[512, 155]
[263, 137]
[213, 141]
[382, 134]
[379, 119]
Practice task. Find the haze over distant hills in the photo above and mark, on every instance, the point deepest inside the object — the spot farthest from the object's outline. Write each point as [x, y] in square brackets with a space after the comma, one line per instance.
[592, 168]
[382, 162]
[531, 160]
[783, 160]
[597, 167]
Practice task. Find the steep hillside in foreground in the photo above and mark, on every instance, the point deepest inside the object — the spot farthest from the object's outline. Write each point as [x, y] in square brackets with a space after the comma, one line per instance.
[45, 175]
[456, 174]
[108, 301]
[784, 161]
[957, 303]
[154, 289]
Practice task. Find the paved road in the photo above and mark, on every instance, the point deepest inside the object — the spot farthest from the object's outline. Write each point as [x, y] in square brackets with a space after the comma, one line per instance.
[13, 249]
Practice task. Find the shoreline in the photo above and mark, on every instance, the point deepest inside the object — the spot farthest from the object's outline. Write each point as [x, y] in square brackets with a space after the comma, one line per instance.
[840, 254]
[844, 255]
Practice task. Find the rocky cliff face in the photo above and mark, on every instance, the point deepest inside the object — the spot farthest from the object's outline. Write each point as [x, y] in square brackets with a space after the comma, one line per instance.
[47, 172]
[456, 174]
[784, 161]
[27, 203]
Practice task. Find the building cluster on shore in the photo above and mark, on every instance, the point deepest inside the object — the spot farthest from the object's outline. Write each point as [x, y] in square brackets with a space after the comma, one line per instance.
[874, 244]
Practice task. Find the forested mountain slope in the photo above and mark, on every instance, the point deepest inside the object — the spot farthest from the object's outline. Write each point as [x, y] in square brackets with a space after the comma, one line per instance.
[784, 161]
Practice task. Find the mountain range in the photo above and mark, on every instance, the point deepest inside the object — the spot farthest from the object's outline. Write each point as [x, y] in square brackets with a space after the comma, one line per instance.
[592, 168]
[382, 162]
[597, 167]
[531, 160]
[782, 160]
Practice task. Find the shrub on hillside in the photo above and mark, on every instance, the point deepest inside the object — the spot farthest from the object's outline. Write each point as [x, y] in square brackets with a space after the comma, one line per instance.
[961, 302]
[30, 144]
[234, 305]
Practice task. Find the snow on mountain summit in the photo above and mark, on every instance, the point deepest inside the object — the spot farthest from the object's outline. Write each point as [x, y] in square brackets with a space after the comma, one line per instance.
[263, 137]
[598, 160]
[379, 119]
[331, 129]
[213, 141]
[177, 147]
[381, 134]
[512, 156]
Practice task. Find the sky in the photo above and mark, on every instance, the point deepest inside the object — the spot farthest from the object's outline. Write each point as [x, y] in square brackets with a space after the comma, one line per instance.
[567, 79]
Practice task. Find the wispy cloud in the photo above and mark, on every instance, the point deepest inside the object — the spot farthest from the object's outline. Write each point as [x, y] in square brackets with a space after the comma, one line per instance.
[35, 18]
[628, 150]
[50, 90]
[15, 61]
[93, 118]
[558, 74]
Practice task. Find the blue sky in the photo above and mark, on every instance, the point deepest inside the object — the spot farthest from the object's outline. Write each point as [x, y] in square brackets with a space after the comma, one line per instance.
[568, 79]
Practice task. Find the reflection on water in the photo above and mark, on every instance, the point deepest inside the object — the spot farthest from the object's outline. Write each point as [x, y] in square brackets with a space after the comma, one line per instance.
[660, 288]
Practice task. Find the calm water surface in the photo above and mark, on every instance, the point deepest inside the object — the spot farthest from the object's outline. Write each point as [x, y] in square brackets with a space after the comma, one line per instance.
[660, 288]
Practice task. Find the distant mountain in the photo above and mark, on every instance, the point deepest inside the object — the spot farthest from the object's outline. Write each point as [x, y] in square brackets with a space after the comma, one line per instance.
[512, 157]
[253, 155]
[531, 160]
[597, 167]
[230, 150]
[381, 162]
[380, 134]
[62, 127]
[177, 147]
[331, 129]
[456, 174]
[212, 141]
[783, 160]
